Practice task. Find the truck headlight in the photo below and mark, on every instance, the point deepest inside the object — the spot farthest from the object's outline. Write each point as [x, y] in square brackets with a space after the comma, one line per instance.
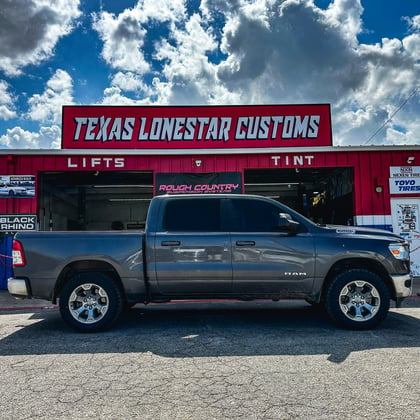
[400, 251]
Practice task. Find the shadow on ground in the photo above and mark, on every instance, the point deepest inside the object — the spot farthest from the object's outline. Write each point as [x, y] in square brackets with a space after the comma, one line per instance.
[210, 330]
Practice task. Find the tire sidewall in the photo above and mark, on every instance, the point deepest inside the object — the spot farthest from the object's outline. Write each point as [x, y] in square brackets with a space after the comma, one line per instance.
[332, 304]
[114, 296]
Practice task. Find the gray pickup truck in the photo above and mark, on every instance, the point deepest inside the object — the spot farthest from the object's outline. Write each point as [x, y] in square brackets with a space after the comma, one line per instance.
[214, 247]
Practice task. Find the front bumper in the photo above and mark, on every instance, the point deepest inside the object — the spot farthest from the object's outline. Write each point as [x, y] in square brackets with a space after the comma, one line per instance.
[403, 285]
[18, 288]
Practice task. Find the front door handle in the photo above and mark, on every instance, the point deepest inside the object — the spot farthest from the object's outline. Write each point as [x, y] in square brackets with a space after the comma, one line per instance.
[245, 243]
[171, 243]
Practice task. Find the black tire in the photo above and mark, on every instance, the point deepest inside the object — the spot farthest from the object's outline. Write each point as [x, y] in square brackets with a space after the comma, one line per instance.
[357, 299]
[90, 302]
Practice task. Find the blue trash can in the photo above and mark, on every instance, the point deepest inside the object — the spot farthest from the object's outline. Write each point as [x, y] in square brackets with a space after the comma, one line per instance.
[6, 267]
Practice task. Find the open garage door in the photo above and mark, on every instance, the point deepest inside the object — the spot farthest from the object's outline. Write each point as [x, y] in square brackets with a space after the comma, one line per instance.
[325, 195]
[94, 200]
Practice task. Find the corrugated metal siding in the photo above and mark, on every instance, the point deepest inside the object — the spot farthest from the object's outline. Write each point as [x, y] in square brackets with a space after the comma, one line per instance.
[371, 169]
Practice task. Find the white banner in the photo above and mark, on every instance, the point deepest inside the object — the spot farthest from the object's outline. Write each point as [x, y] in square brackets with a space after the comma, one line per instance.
[404, 171]
[406, 223]
[17, 186]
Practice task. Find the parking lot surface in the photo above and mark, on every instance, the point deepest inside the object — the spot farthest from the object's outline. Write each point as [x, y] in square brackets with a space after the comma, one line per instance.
[236, 360]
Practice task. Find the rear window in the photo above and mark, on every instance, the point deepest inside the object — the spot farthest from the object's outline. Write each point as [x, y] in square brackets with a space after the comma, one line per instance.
[202, 215]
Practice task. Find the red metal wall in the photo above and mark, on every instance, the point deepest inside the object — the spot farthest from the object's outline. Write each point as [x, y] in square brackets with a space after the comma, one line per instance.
[371, 169]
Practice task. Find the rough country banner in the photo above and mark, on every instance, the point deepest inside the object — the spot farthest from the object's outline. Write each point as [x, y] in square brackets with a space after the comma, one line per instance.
[195, 127]
[188, 183]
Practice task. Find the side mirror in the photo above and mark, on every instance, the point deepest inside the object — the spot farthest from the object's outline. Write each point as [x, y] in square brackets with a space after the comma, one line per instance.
[287, 224]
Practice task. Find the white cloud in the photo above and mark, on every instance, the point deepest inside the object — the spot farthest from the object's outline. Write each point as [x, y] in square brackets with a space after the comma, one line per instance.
[345, 17]
[47, 138]
[50, 137]
[30, 29]
[162, 10]
[128, 81]
[293, 52]
[114, 96]
[46, 107]
[190, 78]
[414, 23]
[411, 44]
[123, 38]
[124, 35]
[7, 106]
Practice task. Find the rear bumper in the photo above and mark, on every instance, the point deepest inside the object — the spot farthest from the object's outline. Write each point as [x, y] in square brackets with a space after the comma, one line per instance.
[18, 288]
[403, 285]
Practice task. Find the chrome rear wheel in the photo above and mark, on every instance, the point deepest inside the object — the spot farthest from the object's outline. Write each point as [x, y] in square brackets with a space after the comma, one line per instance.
[90, 302]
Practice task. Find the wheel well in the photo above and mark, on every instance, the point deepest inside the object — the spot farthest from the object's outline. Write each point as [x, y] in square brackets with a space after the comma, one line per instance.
[359, 263]
[84, 266]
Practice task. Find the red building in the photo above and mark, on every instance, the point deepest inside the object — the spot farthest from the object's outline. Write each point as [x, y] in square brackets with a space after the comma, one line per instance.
[114, 159]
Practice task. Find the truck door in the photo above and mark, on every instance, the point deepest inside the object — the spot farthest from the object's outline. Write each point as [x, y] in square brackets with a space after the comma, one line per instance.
[266, 261]
[192, 253]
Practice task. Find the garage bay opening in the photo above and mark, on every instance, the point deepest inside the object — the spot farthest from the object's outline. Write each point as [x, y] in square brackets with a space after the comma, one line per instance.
[325, 195]
[94, 200]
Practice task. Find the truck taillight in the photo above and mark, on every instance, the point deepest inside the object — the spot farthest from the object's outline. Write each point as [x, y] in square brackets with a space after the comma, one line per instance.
[18, 254]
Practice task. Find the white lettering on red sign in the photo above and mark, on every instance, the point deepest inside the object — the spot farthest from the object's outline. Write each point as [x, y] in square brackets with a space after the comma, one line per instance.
[95, 162]
[297, 160]
[168, 129]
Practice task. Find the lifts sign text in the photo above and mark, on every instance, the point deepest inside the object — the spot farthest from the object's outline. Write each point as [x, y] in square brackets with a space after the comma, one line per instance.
[196, 127]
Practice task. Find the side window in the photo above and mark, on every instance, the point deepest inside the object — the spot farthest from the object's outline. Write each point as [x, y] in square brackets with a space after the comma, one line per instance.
[194, 215]
[255, 216]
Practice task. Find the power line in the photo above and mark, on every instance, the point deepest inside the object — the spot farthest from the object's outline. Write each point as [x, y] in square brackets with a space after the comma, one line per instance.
[392, 115]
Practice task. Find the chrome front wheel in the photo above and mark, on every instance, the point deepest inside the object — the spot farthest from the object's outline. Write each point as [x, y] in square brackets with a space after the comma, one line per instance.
[357, 299]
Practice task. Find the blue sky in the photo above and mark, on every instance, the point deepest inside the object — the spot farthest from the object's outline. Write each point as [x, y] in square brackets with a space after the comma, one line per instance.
[362, 57]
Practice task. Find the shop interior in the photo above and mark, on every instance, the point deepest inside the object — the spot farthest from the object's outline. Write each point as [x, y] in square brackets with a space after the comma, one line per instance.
[325, 195]
[119, 200]
[94, 200]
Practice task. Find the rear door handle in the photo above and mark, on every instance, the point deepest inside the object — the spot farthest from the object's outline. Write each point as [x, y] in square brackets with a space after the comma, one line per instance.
[171, 243]
[245, 243]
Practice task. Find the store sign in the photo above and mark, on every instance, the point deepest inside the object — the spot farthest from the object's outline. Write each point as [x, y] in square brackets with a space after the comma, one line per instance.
[404, 171]
[404, 185]
[17, 222]
[195, 127]
[189, 183]
[404, 180]
[293, 160]
[17, 186]
[84, 162]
